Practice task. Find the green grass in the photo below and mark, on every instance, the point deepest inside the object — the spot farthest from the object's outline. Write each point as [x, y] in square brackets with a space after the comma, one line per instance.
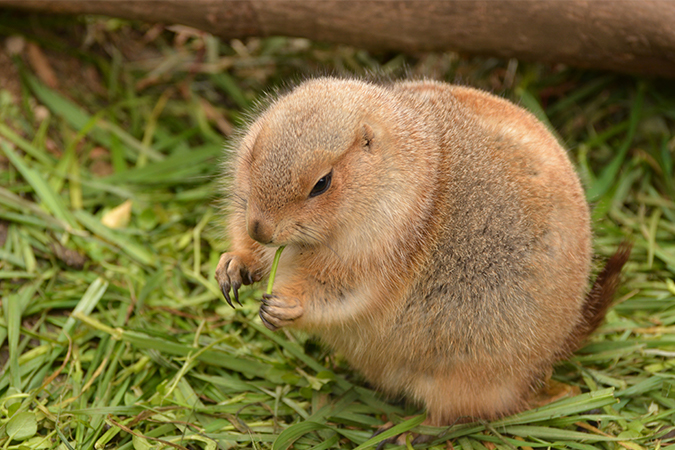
[119, 337]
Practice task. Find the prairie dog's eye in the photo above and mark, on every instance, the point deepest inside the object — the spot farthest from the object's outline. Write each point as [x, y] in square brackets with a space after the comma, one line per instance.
[322, 185]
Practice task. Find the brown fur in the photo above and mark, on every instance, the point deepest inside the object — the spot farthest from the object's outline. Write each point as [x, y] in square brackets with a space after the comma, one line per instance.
[448, 260]
[599, 299]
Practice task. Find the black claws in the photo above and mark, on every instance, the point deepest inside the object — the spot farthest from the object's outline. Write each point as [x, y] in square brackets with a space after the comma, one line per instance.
[231, 274]
[266, 298]
[263, 309]
[227, 295]
[265, 322]
[235, 290]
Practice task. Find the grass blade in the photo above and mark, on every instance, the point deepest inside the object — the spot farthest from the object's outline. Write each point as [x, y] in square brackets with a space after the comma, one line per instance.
[85, 306]
[50, 199]
[125, 244]
[609, 173]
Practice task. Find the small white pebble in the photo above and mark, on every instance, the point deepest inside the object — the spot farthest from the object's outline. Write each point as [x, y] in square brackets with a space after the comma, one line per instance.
[15, 45]
[41, 113]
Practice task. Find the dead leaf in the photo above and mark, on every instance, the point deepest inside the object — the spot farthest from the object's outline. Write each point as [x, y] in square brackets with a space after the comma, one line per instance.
[489, 445]
[71, 258]
[518, 438]
[119, 216]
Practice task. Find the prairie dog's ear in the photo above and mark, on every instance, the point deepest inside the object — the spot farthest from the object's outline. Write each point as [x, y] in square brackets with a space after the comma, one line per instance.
[247, 142]
[368, 137]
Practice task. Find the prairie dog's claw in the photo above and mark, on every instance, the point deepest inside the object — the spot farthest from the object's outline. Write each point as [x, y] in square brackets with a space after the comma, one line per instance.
[278, 311]
[226, 295]
[235, 291]
[265, 322]
[229, 275]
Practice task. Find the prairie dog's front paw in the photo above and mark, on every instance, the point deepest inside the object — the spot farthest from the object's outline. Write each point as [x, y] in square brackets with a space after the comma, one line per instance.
[277, 311]
[232, 273]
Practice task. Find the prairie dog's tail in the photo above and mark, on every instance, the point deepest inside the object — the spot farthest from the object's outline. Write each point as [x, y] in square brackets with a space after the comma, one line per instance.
[600, 297]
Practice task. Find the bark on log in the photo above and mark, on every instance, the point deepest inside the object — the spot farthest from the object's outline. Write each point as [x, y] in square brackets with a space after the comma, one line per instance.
[624, 35]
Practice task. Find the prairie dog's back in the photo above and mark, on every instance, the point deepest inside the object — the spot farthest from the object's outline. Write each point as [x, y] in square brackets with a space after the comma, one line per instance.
[513, 227]
[508, 252]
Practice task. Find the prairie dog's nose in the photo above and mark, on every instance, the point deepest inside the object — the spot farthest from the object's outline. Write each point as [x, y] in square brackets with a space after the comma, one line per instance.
[258, 228]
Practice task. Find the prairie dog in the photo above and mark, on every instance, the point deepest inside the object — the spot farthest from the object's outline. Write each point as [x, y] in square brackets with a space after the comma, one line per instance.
[437, 236]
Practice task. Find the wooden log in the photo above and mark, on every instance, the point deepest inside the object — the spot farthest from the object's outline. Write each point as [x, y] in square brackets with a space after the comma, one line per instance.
[622, 35]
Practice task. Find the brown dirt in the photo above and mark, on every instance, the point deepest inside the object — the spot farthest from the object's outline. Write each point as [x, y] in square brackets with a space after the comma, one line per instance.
[9, 76]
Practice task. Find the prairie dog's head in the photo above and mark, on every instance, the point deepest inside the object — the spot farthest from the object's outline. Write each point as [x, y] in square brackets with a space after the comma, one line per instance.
[310, 164]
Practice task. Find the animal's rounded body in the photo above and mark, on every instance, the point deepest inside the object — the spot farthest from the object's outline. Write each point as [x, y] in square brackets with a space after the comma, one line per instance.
[437, 236]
